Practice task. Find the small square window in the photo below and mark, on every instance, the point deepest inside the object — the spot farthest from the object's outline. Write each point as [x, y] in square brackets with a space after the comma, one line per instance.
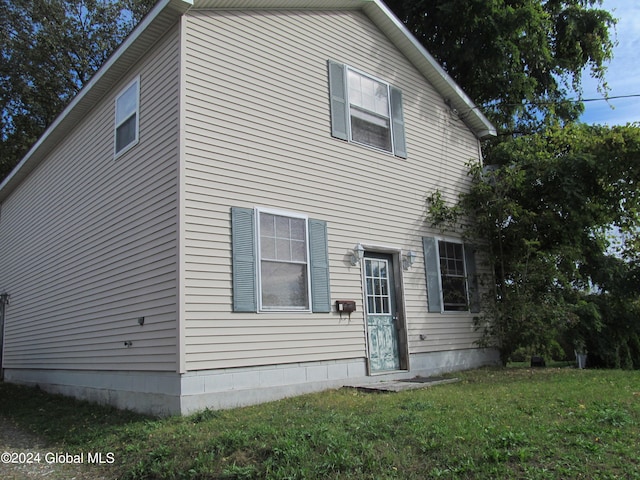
[127, 117]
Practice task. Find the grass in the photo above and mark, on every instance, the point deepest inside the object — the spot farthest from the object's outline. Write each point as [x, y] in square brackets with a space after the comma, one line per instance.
[496, 423]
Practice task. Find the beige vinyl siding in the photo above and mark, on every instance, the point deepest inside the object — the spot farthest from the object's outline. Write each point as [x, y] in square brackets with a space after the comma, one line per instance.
[257, 132]
[89, 242]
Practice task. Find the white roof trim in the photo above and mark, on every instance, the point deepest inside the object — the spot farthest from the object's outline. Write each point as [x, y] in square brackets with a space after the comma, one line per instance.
[429, 67]
[396, 31]
[166, 13]
[163, 15]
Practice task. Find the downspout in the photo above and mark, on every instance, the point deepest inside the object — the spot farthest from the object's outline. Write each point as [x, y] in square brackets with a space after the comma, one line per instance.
[4, 301]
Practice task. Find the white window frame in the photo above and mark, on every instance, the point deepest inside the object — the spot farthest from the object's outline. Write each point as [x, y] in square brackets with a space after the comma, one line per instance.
[466, 279]
[282, 213]
[135, 82]
[347, 93]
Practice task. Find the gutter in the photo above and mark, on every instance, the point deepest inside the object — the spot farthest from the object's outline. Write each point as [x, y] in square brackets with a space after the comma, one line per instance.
[134, 46]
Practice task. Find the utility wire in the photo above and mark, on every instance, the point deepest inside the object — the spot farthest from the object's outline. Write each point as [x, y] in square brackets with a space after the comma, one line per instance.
[570, 100]
[608, 98]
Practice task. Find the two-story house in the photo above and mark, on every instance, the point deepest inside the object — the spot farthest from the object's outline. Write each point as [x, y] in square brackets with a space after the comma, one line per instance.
[233, 211]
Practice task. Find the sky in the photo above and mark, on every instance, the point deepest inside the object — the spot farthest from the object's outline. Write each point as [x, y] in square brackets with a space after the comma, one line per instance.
[623, 72]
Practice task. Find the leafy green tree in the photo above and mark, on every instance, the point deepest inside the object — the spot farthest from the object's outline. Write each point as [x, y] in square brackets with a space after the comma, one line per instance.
[548, 204]
[49, 50]
[519, 60]
[546, 210]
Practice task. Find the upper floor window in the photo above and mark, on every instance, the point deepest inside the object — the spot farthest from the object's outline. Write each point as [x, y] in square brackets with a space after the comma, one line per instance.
[366, 110]
[369, 111]
[127, 117]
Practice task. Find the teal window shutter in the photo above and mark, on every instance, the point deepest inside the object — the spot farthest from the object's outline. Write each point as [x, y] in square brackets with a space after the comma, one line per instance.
[338, 100]
[472, 278]
[431, 260]
[319, 265]
[397, 122]
[244, 260]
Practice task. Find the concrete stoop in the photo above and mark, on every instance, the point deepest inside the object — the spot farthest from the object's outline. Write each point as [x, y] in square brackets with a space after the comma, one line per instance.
[402, 385]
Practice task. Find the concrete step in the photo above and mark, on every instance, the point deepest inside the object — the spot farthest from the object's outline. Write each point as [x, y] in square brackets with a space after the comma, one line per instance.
[402, 385]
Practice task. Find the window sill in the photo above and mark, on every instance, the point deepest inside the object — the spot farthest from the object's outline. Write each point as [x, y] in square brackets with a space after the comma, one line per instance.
[119, 154]
[291, 311]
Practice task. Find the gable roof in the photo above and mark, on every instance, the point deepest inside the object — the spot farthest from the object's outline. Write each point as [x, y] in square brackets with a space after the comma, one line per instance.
[399, 35]
[166, 12]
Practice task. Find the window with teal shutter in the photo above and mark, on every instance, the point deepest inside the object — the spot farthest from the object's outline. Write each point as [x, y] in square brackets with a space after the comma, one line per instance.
[472, 278]
[366, 110]
[280, 262]
[432, 272]
[283, 267]
[452, 283]
[339, 107]
[244, 260]
[319, 258]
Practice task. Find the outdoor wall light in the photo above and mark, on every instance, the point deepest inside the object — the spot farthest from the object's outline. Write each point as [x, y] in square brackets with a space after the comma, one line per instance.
[357, 255]
[408, 259]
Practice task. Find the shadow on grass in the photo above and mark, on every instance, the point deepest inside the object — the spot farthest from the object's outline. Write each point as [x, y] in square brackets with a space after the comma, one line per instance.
[62, 420]
[518, 422]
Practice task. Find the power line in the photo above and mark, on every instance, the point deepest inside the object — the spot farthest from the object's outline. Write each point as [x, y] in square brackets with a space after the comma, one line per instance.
[608, 98]
[558, 102]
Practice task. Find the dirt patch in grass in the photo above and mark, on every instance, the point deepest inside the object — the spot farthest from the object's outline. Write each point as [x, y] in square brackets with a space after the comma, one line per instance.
[29, 456]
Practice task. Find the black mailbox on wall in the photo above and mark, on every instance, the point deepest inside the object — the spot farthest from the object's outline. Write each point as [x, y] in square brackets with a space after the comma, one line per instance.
[345, 306]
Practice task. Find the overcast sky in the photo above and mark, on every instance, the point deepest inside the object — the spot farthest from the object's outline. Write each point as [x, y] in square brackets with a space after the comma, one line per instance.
[623, 74]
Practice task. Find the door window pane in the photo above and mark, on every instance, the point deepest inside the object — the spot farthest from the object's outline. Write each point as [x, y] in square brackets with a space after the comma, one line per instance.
[377, 282]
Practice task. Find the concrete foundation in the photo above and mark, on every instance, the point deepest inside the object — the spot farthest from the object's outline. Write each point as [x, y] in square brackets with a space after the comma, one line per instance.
[164, 393]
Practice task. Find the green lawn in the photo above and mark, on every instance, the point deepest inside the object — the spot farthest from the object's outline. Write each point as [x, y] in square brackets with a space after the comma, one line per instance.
[559, 423]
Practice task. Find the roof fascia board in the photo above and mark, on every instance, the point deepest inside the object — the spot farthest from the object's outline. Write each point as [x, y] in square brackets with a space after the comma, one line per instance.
[406, 42]
[279, 4]
[99, 84]
[92, 91]
[396, 31]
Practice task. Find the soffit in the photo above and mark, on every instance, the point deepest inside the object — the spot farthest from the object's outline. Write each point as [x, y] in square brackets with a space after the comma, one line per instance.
[167, 12]
[280, 4]
[152, 27]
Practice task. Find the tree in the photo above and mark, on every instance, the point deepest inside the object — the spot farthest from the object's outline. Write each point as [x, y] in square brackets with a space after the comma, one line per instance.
[50, 49]
[607, 323]
[546, 210]
[552, 195]
[519, 60]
